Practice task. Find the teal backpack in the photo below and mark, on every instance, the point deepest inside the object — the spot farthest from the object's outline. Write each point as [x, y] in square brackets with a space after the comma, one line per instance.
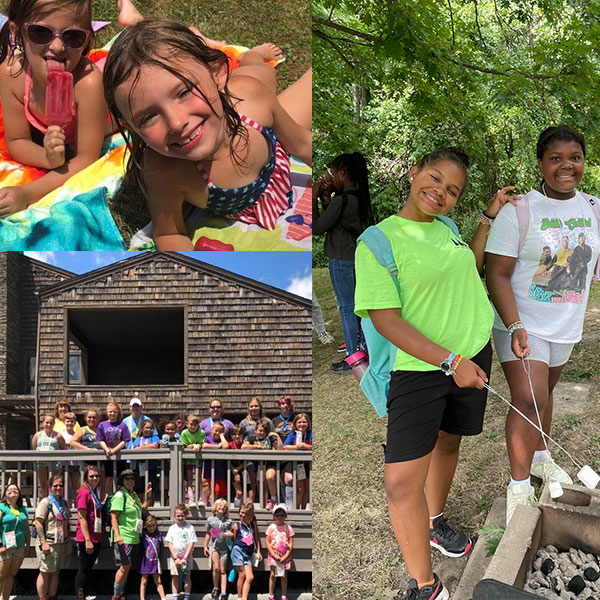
[375, 382]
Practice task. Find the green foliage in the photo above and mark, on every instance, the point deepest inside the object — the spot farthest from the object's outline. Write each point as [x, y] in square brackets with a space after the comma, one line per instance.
[493, 534]
[395, 80]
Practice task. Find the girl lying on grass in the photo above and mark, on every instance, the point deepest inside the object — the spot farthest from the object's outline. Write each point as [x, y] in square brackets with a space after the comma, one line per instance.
[41, 36]
[202, 135]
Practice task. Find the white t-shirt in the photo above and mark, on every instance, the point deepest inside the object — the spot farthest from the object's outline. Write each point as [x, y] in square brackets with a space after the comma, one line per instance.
[552, 275]
[181, 537]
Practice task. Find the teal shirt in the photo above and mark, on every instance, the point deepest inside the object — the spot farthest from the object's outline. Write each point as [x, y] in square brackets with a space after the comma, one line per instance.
[10, 522]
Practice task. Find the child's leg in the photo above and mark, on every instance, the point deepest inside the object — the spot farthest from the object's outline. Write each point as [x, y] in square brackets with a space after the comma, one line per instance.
[253, 64]
[272, 582]
[240, 580]
[189, 481]
[128, 13]
[297, 100]
[404, 484]
[175, 585]
[253, 483]
[143, 584]
[248, 577]
[442, 466]
[271, 477]
[214, 559]
[284, 585]
[159, 586]
[223, 569]
[42, 479]
[187, 584]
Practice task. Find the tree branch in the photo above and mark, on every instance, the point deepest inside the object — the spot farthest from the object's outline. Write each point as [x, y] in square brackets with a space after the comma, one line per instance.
[326, 38]
[452, 23]
[329, 23]
[478, 27]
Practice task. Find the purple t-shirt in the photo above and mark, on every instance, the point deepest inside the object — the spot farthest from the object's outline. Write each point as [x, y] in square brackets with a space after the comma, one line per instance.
[151, 545]
[112, 433]
[85, 501]
[207, 424]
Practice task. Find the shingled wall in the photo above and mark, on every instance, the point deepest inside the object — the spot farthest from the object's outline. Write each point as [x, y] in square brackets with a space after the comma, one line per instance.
[244, 338]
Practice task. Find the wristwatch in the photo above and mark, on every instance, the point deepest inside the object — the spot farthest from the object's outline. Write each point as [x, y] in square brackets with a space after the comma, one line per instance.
[446, 364]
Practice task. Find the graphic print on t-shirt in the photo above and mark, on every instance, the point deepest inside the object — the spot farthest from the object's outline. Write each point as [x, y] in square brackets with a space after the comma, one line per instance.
[562, 272]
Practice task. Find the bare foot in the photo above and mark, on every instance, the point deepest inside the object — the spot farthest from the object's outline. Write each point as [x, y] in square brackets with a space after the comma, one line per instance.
[268, 52]
[128, 13]
[207, 40]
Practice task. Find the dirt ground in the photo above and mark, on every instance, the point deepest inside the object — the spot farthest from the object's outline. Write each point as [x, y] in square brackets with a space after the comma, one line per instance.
[355, 553]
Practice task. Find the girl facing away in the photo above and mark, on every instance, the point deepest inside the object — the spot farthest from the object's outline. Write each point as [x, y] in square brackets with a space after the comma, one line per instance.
[201, 135]
[42, 36]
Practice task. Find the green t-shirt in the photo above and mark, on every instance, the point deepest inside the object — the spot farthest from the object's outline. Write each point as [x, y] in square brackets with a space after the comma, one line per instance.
[187, 438]
[441, 293]
[130, 509]
[12, 522]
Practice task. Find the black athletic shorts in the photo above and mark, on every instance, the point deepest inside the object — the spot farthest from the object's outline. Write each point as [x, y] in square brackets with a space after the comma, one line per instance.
[421, 403]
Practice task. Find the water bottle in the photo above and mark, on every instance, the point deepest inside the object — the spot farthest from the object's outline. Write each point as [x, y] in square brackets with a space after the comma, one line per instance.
[165, 440]
[298, 438]
[359, 361]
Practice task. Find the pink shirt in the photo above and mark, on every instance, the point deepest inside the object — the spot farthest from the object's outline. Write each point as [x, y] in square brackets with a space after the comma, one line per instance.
[85, 501]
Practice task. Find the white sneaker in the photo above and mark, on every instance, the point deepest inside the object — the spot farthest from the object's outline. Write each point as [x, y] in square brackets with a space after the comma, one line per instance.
[325, 338]
[518, 494]
[548, 470]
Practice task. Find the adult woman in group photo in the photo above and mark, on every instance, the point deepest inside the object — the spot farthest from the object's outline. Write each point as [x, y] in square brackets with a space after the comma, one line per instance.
[15, 540]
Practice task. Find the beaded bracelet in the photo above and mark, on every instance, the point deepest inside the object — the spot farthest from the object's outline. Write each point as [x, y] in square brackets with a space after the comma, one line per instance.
[486, 220]
[514, 326]
[456, 362]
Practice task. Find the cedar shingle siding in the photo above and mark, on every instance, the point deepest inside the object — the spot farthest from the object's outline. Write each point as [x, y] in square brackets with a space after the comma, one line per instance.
[240, 339]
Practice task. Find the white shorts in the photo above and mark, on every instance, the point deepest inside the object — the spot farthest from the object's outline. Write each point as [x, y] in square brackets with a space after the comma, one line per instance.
[551, 353]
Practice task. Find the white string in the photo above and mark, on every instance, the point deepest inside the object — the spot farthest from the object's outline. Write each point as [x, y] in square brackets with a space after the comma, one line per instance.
[544, 434]
[527, 370]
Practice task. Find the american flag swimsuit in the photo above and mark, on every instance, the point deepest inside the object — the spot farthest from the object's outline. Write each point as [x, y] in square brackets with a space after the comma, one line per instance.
[262, 201]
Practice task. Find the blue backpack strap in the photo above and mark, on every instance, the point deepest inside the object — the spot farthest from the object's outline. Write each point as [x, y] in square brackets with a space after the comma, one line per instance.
[450, 223]
[378, 243]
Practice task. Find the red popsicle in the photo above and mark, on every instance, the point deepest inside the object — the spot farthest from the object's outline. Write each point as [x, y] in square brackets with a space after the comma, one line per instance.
[59, 94]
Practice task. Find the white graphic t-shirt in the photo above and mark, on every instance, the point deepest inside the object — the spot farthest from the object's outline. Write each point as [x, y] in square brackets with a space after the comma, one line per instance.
[181, 537]
[555, 267]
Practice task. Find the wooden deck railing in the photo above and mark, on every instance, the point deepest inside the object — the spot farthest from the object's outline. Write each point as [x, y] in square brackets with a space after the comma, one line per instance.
[20, 467]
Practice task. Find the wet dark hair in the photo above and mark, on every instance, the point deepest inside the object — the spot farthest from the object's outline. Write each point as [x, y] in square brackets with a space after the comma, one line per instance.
[143, 44]
[562, 133]
[355, 166]
[454, 154]
[20, 12]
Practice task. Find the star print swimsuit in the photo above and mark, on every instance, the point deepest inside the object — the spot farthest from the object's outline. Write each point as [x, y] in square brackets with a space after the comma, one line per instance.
[261, 201]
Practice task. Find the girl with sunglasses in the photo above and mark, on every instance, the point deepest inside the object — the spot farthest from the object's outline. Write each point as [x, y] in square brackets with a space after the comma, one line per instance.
[42, 36]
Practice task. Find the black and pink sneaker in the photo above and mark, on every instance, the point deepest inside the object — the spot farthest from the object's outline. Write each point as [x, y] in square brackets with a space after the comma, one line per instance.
[436, 591]
[449, 540]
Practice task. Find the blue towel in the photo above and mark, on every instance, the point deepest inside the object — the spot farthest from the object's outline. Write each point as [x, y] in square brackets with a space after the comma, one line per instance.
[82, 223]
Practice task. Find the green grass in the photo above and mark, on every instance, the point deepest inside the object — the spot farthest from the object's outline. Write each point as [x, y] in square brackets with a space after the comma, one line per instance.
[355, 552]
[246, 23]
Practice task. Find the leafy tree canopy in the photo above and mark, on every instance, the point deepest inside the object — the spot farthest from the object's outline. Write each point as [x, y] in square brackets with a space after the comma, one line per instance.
[396, 79]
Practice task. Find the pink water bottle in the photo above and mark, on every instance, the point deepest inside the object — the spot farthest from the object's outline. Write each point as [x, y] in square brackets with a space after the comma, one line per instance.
[359, 361]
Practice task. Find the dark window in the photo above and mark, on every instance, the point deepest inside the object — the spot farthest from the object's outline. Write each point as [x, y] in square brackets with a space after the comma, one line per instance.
[126, 346]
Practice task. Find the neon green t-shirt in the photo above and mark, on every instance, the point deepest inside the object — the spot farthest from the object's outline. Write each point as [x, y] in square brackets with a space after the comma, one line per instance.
[441, 293]
[187, 438]
[130, 509]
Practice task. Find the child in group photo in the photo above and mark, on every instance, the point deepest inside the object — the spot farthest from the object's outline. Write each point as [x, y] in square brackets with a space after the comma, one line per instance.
[152, 543]
[218, 543]
[280, 544]
[180, 540]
